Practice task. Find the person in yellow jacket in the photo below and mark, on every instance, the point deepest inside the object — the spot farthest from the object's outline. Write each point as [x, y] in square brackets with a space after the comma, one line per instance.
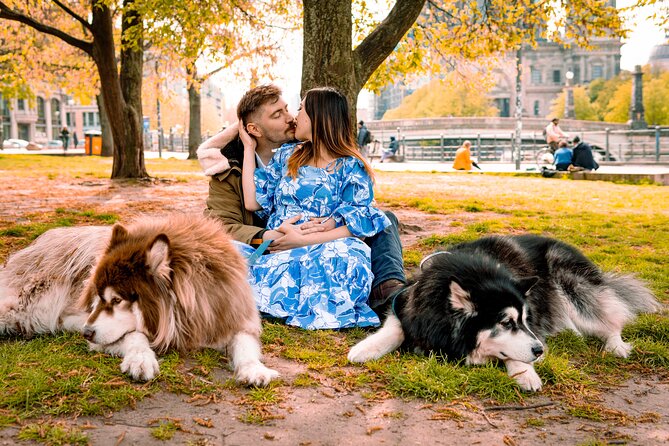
[463, 158]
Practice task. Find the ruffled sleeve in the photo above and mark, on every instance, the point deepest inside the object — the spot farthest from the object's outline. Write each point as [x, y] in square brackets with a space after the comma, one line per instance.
[356, 197]
[267, 180]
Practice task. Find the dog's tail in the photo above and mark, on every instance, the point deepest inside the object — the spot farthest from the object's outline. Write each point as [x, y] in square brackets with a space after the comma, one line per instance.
[633, 293]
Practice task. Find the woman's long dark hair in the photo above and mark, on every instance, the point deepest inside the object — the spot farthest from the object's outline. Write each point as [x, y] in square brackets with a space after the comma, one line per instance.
[331, 130]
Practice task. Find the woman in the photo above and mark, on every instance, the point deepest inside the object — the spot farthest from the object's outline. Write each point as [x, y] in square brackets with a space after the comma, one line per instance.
[326, 283]
[463, 158]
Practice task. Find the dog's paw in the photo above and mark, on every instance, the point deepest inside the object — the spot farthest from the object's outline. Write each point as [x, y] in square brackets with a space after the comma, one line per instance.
[255, 374]
[528, 380]
[524, 374]
[364, 351]
[618, 347]
[141, 365]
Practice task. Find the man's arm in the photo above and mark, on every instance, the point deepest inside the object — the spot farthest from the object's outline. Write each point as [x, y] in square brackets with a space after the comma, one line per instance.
[209, 153]
[225, 204]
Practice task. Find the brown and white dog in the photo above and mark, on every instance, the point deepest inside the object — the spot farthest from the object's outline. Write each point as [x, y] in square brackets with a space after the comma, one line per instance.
[134, 291]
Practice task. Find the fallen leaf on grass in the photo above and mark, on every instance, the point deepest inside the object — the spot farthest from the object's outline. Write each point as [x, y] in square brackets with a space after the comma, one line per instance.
[206, 422]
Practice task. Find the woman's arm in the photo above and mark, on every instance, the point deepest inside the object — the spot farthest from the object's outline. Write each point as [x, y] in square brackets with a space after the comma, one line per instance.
[248, 170]
[295, 237]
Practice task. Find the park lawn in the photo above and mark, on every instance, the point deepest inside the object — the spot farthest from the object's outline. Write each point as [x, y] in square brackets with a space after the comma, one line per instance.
[623, 228]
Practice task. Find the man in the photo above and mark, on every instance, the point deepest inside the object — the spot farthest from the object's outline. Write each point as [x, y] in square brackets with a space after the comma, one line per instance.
[563, 157]
[393, 146]
[265, 116]
[582, 158]
[364, 137]
[554, 134]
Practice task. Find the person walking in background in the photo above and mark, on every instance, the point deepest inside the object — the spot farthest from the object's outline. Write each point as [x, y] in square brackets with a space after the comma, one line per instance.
[582, 158]
[554, 134]
[75, 140]
[65, 137]
[463, 158]
[364, 137]
[562, 158]
[392, 149]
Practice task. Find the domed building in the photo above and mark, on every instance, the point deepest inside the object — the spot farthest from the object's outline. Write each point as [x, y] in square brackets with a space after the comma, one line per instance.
[659, 56]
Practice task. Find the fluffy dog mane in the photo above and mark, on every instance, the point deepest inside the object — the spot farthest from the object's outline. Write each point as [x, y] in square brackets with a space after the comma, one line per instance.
[186, 276]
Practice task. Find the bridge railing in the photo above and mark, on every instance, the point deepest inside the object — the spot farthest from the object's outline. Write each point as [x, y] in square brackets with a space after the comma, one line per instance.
[621, 146]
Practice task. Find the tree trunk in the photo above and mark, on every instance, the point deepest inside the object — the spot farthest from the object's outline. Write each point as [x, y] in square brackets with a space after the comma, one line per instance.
[517, 139]
[107, 138]
[195, 113]
[121, 94]
[328, 59]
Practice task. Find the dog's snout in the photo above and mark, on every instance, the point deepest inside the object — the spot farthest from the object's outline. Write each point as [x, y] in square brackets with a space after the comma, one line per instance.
[88, 333]
[538, 350]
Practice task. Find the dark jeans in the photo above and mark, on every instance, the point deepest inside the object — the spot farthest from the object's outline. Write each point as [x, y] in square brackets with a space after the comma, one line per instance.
[386, 249]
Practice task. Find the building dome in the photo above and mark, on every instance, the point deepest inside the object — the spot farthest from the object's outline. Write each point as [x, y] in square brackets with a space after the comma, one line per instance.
[659, 56]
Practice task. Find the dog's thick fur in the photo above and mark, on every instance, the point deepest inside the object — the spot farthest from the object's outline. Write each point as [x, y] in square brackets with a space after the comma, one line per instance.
[156, 284]
[499, 297]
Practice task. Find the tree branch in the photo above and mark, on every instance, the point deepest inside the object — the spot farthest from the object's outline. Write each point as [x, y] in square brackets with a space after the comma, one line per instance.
[7, 13]
[374, 49]
[235, 58]
[73, 14]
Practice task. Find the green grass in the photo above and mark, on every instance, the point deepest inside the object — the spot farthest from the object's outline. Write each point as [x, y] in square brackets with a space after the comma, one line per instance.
[53, 167]
[52, 434]
[621, 227]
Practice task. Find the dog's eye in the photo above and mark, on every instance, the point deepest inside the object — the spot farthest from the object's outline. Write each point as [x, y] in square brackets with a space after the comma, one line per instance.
[116, 301]
[508, 324]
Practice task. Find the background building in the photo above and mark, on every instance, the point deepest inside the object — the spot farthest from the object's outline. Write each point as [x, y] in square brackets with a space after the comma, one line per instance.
[544, 73]
[41, 120]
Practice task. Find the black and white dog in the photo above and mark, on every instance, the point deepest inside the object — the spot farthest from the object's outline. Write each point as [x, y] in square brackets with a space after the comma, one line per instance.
[499, 297]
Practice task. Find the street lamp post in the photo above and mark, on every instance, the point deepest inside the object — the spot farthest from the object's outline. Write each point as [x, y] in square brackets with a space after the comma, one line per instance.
[569, 96]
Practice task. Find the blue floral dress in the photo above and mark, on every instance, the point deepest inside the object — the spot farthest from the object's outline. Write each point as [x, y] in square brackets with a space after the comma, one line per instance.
[325, 285]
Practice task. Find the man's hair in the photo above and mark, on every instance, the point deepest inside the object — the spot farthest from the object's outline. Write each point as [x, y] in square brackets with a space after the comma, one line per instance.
[555, 119]
[255, 98]
[361, 122]
[576, 140]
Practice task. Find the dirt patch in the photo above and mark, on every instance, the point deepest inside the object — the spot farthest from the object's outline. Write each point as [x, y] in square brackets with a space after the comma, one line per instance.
[326, 414]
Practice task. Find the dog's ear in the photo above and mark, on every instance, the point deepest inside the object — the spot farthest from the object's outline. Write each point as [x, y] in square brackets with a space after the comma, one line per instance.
[158, 256]
[119, 234]
[460, 299]
[526, 284]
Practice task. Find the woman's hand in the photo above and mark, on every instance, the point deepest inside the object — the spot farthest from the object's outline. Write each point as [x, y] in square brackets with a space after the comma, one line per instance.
[293, 236]
[317, 224]
[249, 142]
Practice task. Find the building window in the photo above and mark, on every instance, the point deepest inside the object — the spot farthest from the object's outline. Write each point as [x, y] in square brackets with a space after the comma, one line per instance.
[536, 108]
[4, 119]
[70, 119]
[21, 104]
[91, 120]
[55, 115]
[40, 125]
[557, 77]
[535, 75]
[597, 71]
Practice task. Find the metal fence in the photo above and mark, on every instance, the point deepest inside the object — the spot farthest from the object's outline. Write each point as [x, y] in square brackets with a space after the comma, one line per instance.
[647, 146]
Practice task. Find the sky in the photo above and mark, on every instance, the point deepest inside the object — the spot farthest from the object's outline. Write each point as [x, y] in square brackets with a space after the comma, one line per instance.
[644, 36]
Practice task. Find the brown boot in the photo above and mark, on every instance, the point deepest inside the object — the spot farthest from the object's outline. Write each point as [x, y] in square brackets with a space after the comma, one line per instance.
[379, 299]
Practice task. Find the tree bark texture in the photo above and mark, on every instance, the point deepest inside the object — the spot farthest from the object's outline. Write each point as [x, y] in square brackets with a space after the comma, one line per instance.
[107, 137]
[194, 113]
[328, 58]
[121, 94]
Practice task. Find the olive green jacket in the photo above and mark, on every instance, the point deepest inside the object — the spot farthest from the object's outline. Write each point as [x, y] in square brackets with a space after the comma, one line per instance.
[226, 200]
